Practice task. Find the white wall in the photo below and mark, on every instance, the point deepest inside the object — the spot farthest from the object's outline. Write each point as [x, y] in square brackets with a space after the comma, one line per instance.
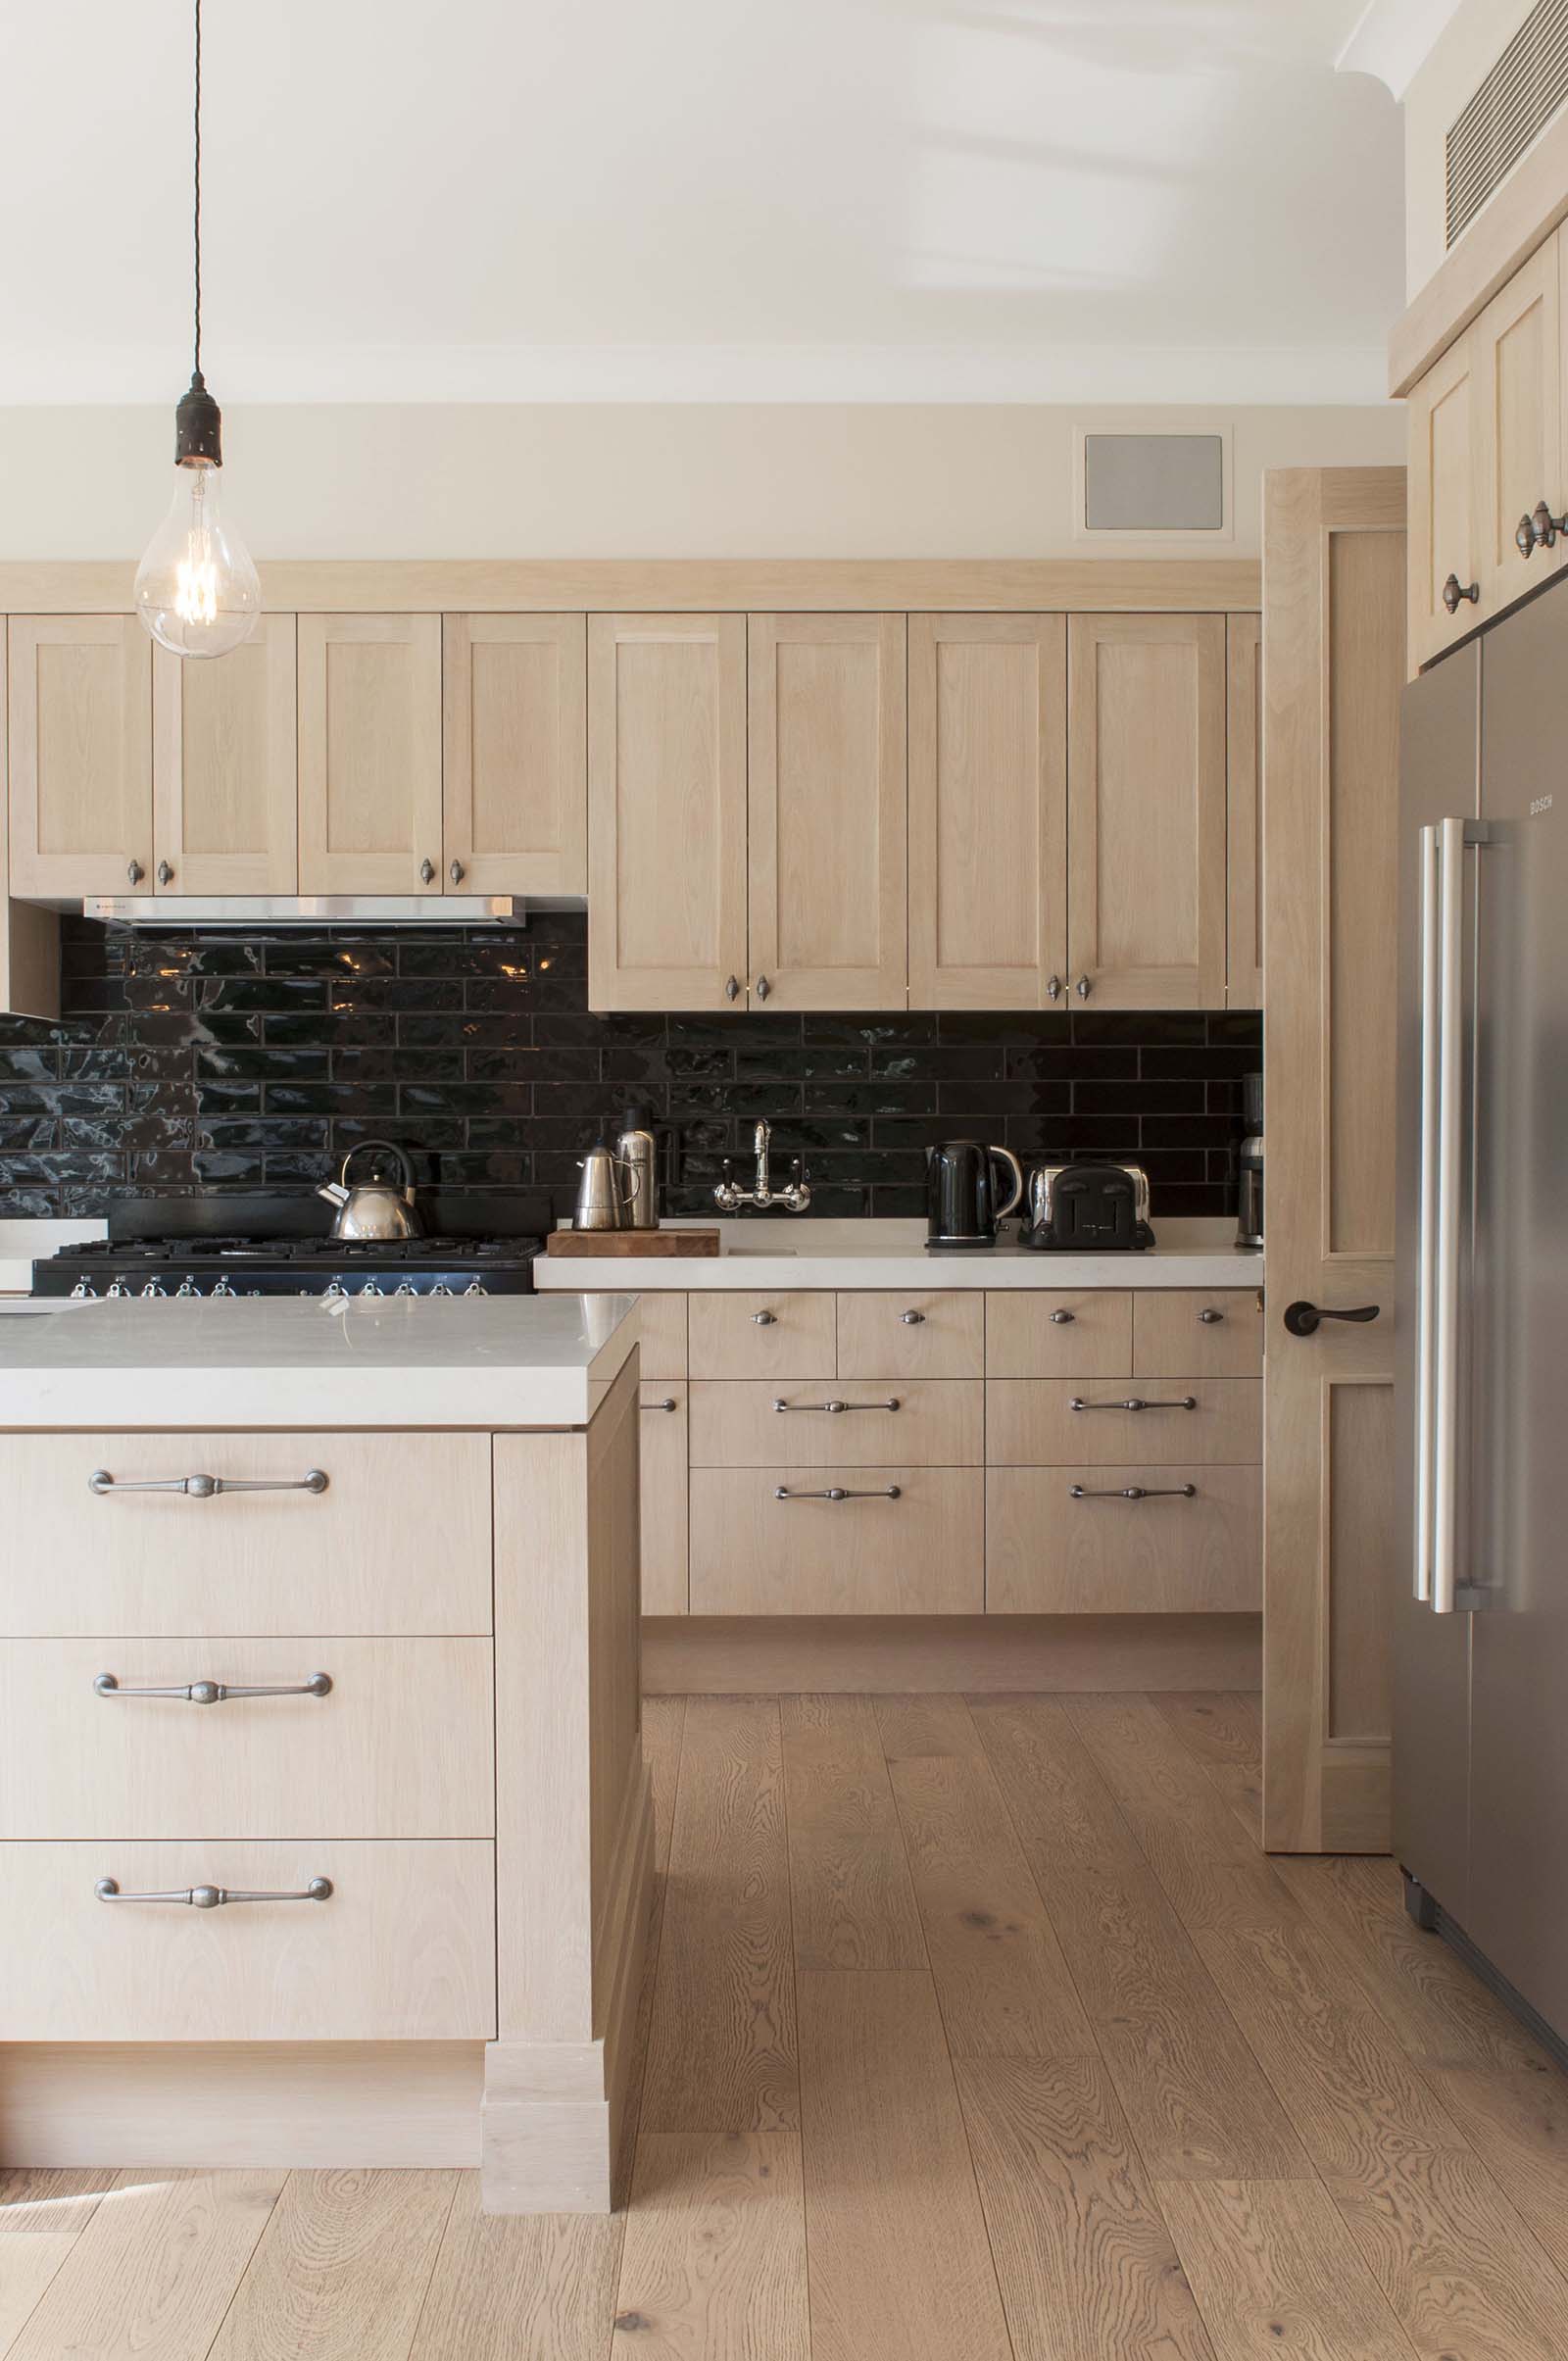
[1461, 58]
[626, 480]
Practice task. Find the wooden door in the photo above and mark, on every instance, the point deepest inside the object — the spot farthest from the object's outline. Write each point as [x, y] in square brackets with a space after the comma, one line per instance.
[515, 693]
[827, 891]
[1517, 363]
[1145, 811]
[80, 757]
[225, 772]
[666, 810]
[1439, 418]
[369, 752]
[1333, 560]
[1243, 811]
[988, 810]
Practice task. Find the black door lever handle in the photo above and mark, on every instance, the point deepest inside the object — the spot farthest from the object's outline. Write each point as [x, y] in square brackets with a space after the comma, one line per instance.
[1302, 1319]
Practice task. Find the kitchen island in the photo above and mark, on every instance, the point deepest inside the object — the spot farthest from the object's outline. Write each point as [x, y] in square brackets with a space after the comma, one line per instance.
[325, 1827]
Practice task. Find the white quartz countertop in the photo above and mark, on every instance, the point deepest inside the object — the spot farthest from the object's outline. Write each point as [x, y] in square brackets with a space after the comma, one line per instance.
[778, 1252]
[23, 1243]
[270, 1361]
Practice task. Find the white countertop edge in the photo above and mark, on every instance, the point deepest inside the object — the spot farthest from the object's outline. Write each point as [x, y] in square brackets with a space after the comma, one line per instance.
[644, 1274]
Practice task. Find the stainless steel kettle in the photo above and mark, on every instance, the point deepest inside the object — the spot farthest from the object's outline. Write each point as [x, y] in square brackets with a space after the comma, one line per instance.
[373, 1209]
[606, 1191]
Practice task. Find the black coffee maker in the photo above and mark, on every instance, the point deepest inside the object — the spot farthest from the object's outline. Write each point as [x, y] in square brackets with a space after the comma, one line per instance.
[962, 1193]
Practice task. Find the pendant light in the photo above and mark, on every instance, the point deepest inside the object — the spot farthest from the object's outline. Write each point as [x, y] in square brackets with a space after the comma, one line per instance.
[196, 587]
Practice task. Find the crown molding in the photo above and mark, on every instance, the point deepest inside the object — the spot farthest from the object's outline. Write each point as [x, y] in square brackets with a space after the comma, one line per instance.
[1394, 39]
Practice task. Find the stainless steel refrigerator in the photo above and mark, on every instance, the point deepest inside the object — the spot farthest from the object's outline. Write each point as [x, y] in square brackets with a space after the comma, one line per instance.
[1481, 1626]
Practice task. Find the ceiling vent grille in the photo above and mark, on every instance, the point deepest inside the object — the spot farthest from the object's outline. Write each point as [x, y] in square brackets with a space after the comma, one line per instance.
[1518, 98]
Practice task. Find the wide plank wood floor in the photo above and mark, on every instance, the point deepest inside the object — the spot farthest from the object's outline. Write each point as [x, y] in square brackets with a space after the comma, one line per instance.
[974, 2029]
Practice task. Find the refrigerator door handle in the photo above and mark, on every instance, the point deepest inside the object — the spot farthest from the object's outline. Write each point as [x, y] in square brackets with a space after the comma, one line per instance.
[1427, 1247]
[1444, 1425]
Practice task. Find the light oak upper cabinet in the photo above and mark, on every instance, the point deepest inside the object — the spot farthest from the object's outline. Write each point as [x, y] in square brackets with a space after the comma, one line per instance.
[80, 757]
[515, 724]
[369, 753]
[666, 810]
[1517, 363]
[226, 768]
[1243, 811]
[1145, 811]
[826, 875]
[988, 810]
[1439, 418]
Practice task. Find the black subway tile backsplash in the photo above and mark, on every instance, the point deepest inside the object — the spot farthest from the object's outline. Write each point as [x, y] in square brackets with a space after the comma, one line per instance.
[197, 1060]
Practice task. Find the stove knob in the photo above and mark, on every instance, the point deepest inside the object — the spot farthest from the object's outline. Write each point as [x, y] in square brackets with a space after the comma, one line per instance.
[440, 1288]
[335, 1287]
[371, 1288]
[186, 1288]
[407, 1288]
[474, 1289]
[119, 1289]
[155, 1287]
[83, 1290]
[222, 1288]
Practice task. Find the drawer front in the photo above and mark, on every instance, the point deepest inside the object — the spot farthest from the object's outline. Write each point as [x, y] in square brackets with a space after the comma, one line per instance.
[912, 1335]
[403, 1950]
[662, 1334]
[1182, 1329]
[1055, 1332]
[782, 1335]
[921, 1553]
[1032, 1422]
[939, 1423]
[663, 1429]
[1049, 1554]
[398, 1540]
[400, 1745]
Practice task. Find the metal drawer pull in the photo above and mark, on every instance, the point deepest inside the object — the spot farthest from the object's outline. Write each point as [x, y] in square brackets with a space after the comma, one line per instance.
[1209, 1316]
[1135, 1401]
[764, 1319]
[912, 1319]
[213, 1898]
[1135, 1491]
[1062, 1319]
[891, 1404]
[837, 1492]
[217, 1693]
[668, 1404]
[206, 1488]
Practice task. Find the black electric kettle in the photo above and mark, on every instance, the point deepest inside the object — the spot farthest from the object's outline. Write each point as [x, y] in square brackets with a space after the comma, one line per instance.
[960, 1190]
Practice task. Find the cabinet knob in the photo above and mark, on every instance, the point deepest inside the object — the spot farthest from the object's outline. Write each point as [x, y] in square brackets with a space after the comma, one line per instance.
[1062, 1319]
[166, 876]
[912, 1319]
[1208, 1315]
[1052, 987]
[1543, 529]
[1453, 591]
[134, 872]
[1083, 987]
[764, 1319]
[426, 872]
[763, 987]
[455, 872]
[732, 987]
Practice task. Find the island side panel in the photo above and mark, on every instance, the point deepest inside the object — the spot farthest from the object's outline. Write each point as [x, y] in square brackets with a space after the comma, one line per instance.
[573, 1817]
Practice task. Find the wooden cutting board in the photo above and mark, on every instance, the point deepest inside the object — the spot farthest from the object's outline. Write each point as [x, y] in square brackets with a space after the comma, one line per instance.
[620, 1242]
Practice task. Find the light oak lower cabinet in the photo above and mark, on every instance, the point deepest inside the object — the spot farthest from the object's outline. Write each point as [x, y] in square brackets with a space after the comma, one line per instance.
[1177, 1421]
[401, 1744]
[856, 1422]
[787, 1334]
[1059, 1332]
[1051, 1552]
[663, 1430]
[762, 1544]
[402, 1951]
[1180, 1329]
[912, 1334]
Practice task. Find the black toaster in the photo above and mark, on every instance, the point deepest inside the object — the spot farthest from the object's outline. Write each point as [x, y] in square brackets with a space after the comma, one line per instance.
[1088, 1208]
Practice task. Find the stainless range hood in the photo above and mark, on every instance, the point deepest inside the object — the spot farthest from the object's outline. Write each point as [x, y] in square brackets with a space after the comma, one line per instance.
[264, 910]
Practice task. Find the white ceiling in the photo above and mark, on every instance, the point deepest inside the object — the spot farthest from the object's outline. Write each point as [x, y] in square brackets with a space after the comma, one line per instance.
[513, 200]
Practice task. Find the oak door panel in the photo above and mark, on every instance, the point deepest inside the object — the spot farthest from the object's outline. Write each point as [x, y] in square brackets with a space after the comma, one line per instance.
[663, 1426]
[225, 767]
[666, 810]
[1439, 422]
[1146, 810]
[988, 810]
[515, 737]
[370, 747]
[1243, 811]
[79, 699]
[1517, 358]
[826, 879]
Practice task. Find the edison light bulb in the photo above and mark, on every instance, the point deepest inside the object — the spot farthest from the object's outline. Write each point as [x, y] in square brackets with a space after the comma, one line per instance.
[196, 588]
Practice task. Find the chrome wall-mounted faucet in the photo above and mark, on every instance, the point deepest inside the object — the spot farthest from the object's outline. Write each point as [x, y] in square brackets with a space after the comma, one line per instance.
[793, 1198]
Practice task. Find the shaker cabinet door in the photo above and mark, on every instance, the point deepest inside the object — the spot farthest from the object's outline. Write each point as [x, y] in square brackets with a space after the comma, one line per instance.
[514, 697]
[826, 883]
[1517, 364]
[1243, 811]
[1145, 811]
[225, 767]
[369, 753]
[80, 755]
[988, 810]
[1440, 422]
[666, 810]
